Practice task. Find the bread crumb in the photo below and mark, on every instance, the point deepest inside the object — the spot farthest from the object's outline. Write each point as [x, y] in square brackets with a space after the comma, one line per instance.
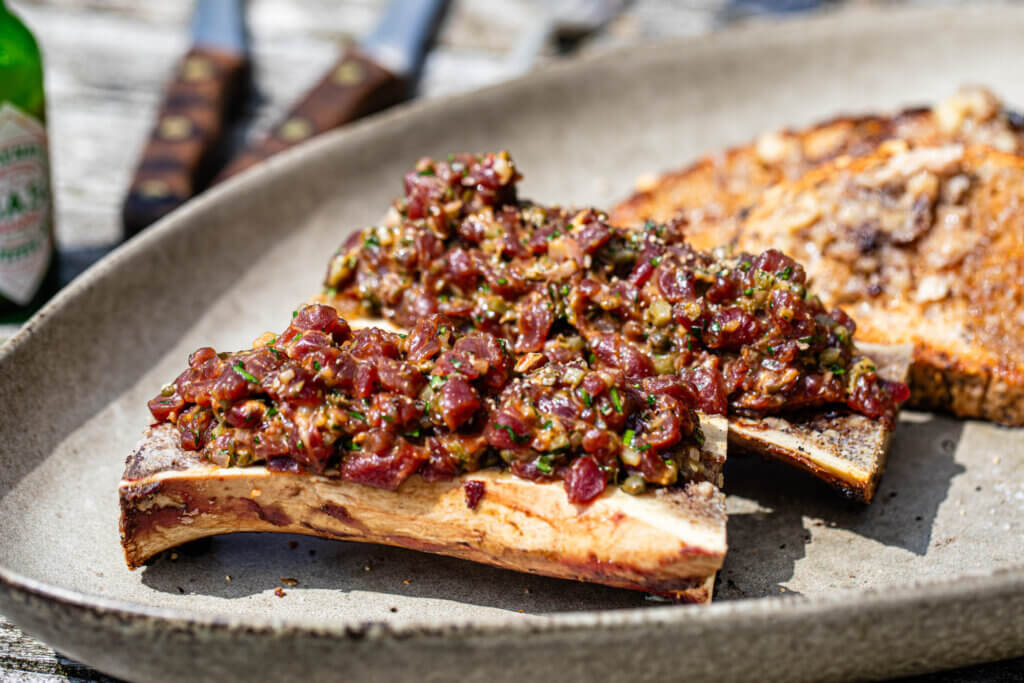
[227, 577]
[290, 582]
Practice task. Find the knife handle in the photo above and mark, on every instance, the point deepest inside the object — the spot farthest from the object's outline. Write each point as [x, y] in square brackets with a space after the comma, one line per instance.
[354, 87]
[190, 123]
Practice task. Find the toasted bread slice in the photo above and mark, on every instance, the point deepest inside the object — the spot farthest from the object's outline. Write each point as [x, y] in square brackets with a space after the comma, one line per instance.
[669, 541]
[843, 448]
[920, 245]
[715, 193]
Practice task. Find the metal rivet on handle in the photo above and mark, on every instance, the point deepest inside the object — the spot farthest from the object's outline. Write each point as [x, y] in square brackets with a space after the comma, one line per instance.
[174, 127]
[295, 129]
[154, 188]
[349, 72]
[196, 69]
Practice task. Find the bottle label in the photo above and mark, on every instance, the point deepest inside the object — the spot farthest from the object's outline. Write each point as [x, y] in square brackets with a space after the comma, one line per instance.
[25, 212]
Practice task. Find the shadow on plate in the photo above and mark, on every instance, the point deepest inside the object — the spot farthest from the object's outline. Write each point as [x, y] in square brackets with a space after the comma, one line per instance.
[260, 563]
[766, 542]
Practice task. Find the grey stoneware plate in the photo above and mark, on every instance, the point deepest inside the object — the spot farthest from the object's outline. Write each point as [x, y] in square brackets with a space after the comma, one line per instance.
[931, 575]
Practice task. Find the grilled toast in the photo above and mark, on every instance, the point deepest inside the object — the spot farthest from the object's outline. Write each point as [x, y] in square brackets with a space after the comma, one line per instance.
[966, 360]
[922, 245]
[715, 193]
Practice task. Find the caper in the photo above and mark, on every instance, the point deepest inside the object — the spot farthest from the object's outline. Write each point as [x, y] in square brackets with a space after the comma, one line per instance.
[664, 364]
[659, 313]
[167, 390]
[830, 355]
[634, 485]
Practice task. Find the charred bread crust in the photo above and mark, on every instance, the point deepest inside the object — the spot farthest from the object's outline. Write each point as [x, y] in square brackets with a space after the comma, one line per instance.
[669, 541]
[953, 286]
[718, 193]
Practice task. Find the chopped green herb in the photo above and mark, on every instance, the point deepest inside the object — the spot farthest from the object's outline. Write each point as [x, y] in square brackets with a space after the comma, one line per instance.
[716, 326]
[295, 314]
[771, 350]
[511, 433]
[245, 375]
[785, 273]
[644, 447]
[436, 381]
[749, 291]
[336, 428]
[256, 440]
[502, 281]
[357, 415]
[616, 401]
[297, 337]
[585, 396]
[655, 261]
[426, 172]
[627, 437]
[543, 464]
[837, 369]
[272, 411]
[547, 424]
[371, 241]
[745, 266]
[414, 434]
[316, 365]
[591, 358]
[388, 418]
[565, 290]
[651, 399]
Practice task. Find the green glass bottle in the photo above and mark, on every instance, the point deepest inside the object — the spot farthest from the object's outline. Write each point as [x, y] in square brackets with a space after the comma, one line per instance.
[27, 249]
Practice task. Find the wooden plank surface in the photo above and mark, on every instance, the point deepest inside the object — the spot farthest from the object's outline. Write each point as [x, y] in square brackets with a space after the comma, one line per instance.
[106, 62]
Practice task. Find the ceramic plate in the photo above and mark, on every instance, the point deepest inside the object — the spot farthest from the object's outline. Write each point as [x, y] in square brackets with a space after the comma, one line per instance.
[814, 587]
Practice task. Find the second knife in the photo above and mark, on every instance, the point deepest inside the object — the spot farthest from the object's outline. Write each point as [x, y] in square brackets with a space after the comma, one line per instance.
[381, 72]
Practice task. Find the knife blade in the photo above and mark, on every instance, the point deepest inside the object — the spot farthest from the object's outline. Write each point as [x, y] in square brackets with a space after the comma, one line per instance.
[197, 102]
[381, 72]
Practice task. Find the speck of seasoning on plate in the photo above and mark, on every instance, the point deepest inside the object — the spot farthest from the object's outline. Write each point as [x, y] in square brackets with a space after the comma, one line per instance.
[227, 577]
[405, 582]
[174, 557]
[279, 592]
[290, 582]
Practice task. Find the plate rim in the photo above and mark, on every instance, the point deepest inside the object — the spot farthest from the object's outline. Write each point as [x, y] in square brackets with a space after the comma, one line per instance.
[821, 24]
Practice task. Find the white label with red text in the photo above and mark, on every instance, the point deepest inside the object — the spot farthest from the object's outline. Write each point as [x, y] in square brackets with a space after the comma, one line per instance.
[25, 210]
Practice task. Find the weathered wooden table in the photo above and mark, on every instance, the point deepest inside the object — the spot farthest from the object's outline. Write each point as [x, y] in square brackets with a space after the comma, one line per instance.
[106, 63]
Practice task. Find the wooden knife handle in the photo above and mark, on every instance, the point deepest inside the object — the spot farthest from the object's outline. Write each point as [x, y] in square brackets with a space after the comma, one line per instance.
[189, 126]
[354, 87]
